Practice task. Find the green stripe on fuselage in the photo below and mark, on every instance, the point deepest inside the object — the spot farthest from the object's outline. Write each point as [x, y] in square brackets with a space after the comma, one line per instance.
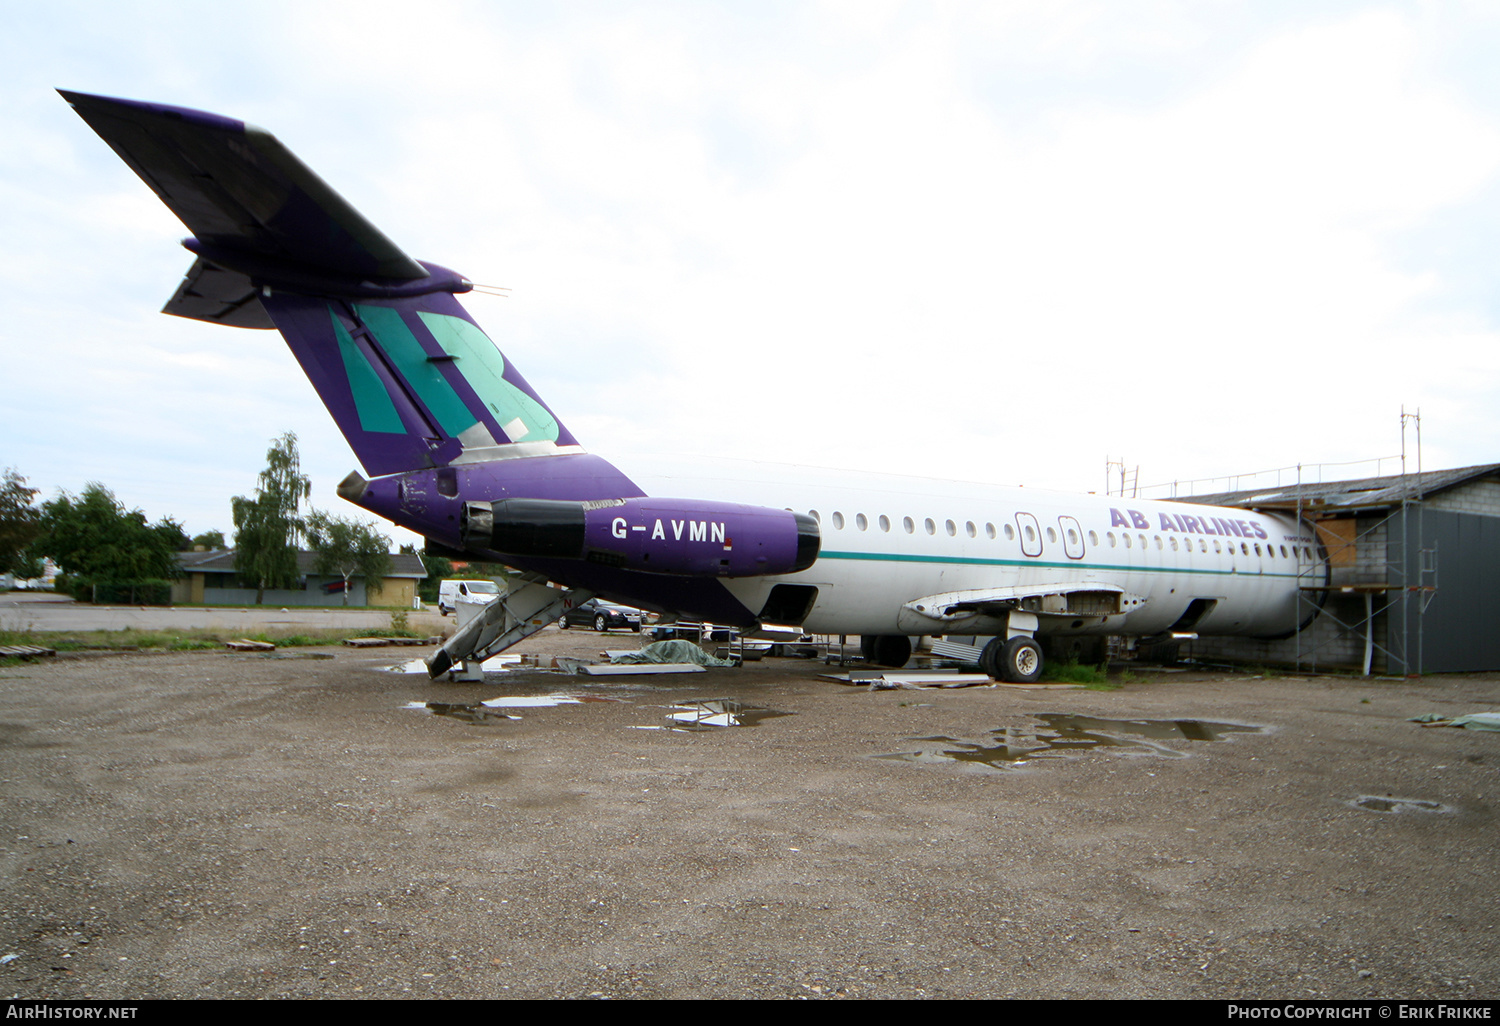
[896, 557]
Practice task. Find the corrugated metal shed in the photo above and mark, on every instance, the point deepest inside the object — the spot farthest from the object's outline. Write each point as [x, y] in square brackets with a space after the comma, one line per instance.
[1360, 493]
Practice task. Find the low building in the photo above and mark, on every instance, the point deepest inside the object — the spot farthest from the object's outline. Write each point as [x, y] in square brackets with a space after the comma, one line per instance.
[1413, 562]
[209, 578]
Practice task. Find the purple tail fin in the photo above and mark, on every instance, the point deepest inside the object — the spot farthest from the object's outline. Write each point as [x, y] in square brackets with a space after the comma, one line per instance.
[413, 382]
[410, 378]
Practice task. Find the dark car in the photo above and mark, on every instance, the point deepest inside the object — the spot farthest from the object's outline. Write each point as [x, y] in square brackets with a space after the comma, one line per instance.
[602, 616]
[690, 630]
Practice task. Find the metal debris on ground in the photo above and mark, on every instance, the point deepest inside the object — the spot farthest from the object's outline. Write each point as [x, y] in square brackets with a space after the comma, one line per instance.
[631, 669]
[1473, 721]
[26, 651]
[382, 642]
[884, 680]
[1388, 803]
[249, 645]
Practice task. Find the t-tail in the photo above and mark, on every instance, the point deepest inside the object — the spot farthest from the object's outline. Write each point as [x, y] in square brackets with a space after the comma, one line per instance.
[410, 379]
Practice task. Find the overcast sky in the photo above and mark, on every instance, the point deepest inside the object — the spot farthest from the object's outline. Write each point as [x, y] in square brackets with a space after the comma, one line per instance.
[998, 242]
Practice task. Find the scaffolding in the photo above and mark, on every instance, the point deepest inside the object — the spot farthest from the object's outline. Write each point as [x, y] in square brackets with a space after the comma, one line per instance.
[1397, 586]
[1118, 475]
[1408, 571]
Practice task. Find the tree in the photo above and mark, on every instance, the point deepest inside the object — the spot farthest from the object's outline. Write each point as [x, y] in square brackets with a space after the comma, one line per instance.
[211, 540]
[20, 522]
[267, 526]
[348, 547]
[438, 569]
[97, 541]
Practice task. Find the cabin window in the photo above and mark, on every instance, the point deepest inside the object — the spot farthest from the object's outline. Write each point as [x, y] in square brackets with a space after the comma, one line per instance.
[1217, 546]
[970, 528]
[1257, 548]
[860, 521]
[1051, 536]
[1030, 534]
[931, 527]
[1094, 538]
[885, 522]
[906, 522]
[1142, 537]
[1127, 541]
[1174, 543]
[1072, 537]
[814, 514]
[1010, 533]
[989, 531]
[952, 529]
[838, 521]
[1283, 553]
[1202, 544]
[1158, 542]
[1111, 537]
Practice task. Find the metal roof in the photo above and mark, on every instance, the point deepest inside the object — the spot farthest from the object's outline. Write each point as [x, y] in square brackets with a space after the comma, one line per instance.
[222, 562]
[1362, 493]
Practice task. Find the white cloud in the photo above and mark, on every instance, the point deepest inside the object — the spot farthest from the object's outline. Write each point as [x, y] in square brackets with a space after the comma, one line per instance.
[999, 242]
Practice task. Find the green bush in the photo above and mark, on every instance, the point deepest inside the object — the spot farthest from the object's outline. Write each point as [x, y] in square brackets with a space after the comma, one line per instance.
[149, 592]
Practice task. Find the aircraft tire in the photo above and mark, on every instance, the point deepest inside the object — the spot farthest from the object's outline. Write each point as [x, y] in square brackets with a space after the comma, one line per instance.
[893, 650]
[992, 656]
[562, 624]
[1021, 662]
[867, 646]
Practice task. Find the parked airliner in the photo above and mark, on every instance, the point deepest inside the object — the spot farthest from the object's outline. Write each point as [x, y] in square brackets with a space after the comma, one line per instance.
[460, 449]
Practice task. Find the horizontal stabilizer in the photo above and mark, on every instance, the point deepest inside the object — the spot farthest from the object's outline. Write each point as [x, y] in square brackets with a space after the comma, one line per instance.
[210, 293]
[410, 378]
[238, 189]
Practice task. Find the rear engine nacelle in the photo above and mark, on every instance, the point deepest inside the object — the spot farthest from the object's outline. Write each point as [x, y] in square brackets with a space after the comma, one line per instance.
[688, 537]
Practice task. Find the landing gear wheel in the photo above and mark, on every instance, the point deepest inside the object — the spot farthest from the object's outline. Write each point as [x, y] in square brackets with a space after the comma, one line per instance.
[1021, 662]
[563, 624]
[992, 657]
[893, 650]
[601, 625]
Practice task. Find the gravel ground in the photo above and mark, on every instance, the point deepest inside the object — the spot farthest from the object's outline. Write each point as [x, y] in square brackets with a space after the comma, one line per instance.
[217, 825]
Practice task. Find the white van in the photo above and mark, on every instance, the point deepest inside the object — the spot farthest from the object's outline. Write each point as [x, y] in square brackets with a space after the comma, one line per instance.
[450, 592]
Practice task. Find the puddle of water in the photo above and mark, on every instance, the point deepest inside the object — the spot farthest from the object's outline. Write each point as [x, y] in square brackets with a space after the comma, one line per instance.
[716, 713]
[1068, 726]
[466, 712]
[1065, 734]
[494, 664]
[530, 701]
[1373, 803]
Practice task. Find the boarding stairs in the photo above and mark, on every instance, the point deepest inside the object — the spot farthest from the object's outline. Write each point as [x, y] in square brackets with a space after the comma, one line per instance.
[527, 605]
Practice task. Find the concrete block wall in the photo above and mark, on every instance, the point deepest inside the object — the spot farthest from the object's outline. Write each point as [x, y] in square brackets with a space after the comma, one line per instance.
[1481, 498]
[1335, 640]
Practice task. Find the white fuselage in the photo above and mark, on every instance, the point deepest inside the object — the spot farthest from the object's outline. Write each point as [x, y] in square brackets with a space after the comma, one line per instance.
[888, 540]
